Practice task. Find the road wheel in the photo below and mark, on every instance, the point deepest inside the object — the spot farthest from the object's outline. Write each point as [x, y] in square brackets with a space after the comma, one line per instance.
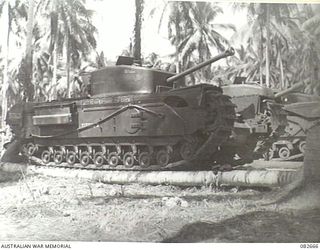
[128, 160]
[187, 150]
[71, 158]
[144, 159]
[162, 158]
[58, 157]
[113, 159]
[284, 153]
[98, 159]
[46, 156]
[85, 159]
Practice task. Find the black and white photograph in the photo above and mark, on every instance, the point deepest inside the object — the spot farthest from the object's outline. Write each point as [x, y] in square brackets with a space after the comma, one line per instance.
[156, 121]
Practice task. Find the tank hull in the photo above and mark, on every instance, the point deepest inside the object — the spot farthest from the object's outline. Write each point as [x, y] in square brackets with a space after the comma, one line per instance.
[126, 131]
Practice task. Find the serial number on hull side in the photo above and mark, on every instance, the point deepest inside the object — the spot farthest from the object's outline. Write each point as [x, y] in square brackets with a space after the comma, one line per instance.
[118, 99]
[85, 124]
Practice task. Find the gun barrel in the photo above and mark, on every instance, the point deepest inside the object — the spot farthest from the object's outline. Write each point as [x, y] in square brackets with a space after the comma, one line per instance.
[291, 89]
[229, 52]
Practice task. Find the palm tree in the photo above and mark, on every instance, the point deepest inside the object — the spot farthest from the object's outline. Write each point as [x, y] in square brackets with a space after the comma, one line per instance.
[246, 63]
[191, 29]
[177, 22]
[25, 69]
[5, 20]
[271, 32]
[11, 12]
[310, 50]
[70, 28]
[203, 33]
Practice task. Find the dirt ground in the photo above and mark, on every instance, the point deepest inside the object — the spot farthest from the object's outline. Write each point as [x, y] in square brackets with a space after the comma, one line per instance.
[46, 208]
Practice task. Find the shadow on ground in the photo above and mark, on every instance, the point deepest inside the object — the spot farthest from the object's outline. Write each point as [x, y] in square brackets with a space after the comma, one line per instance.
[8, 177]
[261, 226]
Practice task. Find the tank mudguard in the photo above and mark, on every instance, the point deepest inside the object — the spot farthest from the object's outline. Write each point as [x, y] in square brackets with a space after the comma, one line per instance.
[247, 90]
[309, 110]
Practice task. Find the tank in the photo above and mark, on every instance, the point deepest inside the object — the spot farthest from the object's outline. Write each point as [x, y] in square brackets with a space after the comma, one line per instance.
[260, 121]
[308, 115]
[291, 144]
[130, 118]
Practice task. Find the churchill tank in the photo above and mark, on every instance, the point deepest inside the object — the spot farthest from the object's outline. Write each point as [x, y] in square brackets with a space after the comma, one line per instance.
[131, 117]
[292, 143]
[260, 121]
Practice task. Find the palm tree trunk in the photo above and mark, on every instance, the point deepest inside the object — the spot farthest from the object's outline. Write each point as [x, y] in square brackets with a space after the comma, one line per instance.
[281, 72]
[68, 62]
[178, 63]
[55, 63]
[5, 82]
[137, 31]
[29, 53]
[267, 47]
[261, 55]
[54, 73]
[55, 33]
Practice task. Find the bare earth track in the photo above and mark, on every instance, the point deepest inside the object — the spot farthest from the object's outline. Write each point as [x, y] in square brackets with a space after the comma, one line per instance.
[39, 207]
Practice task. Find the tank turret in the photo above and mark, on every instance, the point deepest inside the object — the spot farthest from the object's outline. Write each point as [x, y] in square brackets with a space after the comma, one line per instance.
[125, 78]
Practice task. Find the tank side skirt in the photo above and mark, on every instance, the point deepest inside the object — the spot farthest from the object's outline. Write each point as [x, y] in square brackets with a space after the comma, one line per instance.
[117, 112]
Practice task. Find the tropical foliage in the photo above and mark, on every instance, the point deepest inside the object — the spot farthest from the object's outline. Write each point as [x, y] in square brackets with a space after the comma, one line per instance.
[278, 47]
[279, 50]
[56, 38]
[194, 33]
[69, 36]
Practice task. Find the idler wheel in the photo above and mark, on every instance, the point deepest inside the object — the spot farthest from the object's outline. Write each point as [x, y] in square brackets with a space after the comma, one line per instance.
[71, 158]
[302, 146]
[113, 159]
[162, 158]
[58, 157]
[45, 156]
[85, 159]
[284, 153]
[187, 151]
[98, 159]
[128, 160]
[144, 159]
